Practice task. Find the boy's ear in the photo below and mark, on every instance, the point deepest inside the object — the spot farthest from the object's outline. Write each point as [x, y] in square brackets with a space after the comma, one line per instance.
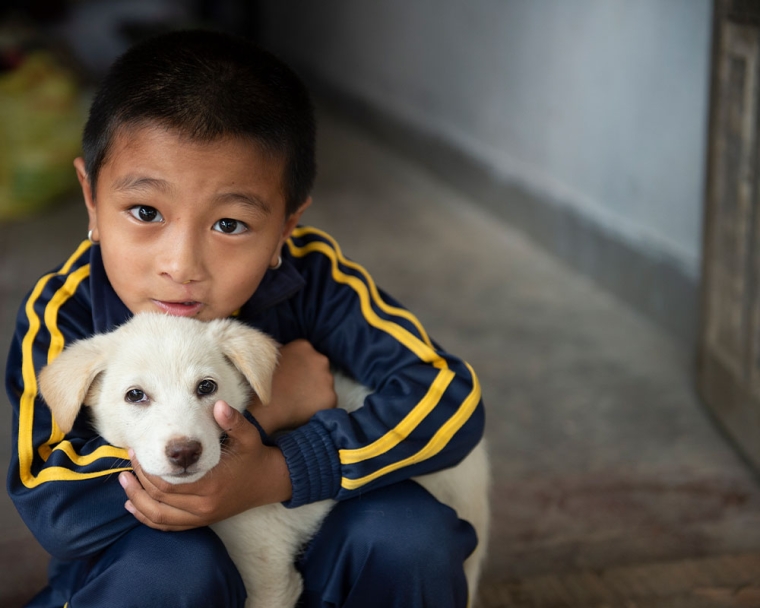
[252, 352]
[66, 382]
[292, 221]
[89, 200]
[290, 224]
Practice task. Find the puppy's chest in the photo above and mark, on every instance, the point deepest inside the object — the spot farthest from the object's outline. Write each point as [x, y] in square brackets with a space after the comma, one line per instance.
[271, 528]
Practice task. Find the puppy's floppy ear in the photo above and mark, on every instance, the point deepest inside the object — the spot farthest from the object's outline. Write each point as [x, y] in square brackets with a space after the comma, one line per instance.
[252, 352]
[65, 382]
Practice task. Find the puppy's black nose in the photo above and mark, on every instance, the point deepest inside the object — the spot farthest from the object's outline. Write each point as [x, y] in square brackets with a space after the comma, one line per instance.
[184, 452]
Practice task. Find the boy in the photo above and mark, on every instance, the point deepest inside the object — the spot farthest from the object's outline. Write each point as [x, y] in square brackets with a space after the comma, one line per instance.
[198, 163]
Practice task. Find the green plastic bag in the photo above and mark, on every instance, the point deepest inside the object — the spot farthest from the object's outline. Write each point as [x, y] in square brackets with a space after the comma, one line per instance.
[41, 119]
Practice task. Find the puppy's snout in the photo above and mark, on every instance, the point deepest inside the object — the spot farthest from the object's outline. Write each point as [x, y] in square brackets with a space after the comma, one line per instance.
[184, 452]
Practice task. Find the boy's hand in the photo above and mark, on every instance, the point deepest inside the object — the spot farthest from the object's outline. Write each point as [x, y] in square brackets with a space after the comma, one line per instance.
[248, 475]
[301, 387]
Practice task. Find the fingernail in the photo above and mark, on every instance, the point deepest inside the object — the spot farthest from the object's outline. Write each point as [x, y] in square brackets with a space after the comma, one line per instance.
[131, 453]
[130, 507]
[123, 480]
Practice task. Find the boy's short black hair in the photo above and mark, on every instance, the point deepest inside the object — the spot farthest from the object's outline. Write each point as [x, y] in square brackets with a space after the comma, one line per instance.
[207, 85]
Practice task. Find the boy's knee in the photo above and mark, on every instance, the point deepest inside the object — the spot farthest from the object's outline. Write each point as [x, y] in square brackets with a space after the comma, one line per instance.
[415, 540]
[400, 534]
[406, 527]
[194, 563]
[186, 569]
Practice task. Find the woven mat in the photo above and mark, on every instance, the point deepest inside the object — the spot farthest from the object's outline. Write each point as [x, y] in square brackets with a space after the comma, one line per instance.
[715, 582]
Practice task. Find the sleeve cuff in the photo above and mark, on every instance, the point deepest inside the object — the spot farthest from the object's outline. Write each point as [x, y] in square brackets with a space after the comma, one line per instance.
[313, 464]
[264, 437]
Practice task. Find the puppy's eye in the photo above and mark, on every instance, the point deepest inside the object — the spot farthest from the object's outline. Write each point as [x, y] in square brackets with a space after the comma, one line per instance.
[206, 387]
[135, 395]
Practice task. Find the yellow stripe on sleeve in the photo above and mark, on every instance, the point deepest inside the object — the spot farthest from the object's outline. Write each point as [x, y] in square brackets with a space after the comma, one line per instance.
[384, 306]
[56, 339]
[434, 446]
[68, 289]
[105, 451]
[404, 428]
[26, 404]
[419, 347]
[64, 474]
[28, 373]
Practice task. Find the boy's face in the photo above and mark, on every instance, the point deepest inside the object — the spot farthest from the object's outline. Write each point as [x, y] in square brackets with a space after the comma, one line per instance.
[187, 228]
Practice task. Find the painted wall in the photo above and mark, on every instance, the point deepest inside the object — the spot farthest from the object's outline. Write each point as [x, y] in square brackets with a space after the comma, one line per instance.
[600, 105]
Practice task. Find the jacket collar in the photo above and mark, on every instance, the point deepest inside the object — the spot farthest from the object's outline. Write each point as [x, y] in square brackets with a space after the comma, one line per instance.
[109, 312]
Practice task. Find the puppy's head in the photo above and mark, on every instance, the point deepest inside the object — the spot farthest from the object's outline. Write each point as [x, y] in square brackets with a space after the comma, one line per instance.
[152, 384]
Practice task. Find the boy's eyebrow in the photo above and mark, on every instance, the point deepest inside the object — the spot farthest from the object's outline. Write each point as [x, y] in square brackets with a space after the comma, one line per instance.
[136, 182]
[246, 199]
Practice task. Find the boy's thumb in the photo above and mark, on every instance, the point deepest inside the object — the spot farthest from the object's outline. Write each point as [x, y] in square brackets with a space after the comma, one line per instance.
[228, 418]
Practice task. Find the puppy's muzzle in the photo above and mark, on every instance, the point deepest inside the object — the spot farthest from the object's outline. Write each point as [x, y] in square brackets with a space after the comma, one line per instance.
[183, 452]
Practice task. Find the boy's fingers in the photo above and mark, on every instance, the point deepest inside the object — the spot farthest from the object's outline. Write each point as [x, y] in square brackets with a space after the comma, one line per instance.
[227, 417]
[136, 493]
[153, 513]
[138, 488]
[159, 520]
[153, 484]
[234, 423]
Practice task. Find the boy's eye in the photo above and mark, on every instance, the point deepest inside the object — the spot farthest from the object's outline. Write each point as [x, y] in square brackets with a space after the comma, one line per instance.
[229, 226]
[146, 214]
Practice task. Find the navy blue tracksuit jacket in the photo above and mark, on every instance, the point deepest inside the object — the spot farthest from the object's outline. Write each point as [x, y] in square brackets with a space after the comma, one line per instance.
[426, 413]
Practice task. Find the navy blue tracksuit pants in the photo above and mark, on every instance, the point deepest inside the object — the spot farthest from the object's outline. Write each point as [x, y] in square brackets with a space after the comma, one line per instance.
[393, 547]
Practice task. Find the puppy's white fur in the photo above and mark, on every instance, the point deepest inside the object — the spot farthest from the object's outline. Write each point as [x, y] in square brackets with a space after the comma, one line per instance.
[167, 358]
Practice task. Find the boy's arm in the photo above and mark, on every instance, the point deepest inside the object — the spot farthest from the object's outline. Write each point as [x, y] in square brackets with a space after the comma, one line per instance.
[65, 489]
[426, 412]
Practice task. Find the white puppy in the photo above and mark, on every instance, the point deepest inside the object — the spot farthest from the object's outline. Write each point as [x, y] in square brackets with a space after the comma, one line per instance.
[151, 386]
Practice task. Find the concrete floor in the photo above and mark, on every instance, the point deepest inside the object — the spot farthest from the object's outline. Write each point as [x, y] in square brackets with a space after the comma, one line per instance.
[603, 457]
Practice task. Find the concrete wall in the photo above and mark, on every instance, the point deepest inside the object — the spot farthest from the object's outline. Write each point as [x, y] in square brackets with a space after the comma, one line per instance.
[598, 107]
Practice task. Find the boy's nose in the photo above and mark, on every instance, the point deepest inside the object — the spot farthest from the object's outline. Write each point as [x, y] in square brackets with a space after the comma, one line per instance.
[182, 260]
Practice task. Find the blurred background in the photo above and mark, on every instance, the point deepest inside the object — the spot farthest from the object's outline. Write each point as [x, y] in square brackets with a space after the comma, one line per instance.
[564, 191]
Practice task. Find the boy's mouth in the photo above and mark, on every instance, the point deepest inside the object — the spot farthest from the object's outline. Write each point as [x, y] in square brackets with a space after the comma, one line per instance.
[179, 309]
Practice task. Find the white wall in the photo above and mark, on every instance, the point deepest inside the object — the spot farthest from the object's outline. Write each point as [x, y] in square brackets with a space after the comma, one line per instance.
[596, 104]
